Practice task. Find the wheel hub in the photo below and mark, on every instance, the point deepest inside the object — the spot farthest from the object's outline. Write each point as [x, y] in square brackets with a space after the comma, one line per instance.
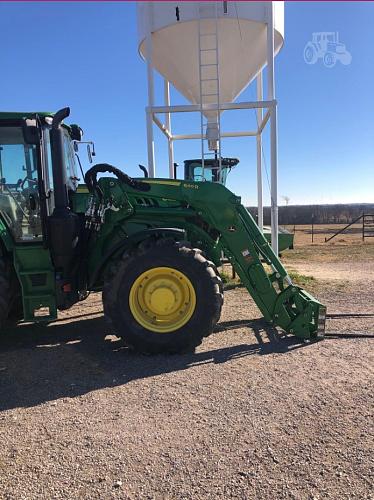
[162, 299]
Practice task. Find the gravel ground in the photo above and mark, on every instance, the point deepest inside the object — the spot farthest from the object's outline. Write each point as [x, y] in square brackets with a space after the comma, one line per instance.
[250, 415]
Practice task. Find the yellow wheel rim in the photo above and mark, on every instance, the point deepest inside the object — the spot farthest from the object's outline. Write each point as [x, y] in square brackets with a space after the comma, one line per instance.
[162, 299]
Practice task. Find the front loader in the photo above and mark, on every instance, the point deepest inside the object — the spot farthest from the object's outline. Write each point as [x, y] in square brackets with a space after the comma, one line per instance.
[152, 246]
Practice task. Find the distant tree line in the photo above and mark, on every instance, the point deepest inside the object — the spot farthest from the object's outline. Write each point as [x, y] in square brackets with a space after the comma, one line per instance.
[319, 214]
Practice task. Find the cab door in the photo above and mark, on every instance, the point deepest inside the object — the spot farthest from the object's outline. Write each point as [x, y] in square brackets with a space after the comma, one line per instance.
[19, 192]
[70, 163]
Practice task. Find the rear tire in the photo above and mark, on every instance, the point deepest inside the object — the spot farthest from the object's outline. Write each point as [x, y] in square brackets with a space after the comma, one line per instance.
[310, 54]
[125, 296]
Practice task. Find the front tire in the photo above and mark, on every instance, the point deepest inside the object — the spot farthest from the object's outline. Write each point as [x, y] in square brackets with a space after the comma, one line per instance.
[163, 297]
[329, 60]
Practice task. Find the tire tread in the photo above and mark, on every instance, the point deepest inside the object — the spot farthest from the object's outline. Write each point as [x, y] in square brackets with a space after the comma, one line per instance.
[183, 249]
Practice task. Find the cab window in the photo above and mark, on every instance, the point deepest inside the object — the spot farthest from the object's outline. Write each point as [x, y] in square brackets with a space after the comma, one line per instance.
[19, 195]
[200, 174]
[70, 162]
[71, 167]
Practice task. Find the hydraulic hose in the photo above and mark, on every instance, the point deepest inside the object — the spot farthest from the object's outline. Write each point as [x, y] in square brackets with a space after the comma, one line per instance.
[91, 178]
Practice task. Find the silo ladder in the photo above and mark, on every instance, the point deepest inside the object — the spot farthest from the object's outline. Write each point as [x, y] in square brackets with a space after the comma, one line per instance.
[209, 73]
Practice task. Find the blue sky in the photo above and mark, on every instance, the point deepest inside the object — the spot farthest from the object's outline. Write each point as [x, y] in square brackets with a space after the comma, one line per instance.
[84, 54]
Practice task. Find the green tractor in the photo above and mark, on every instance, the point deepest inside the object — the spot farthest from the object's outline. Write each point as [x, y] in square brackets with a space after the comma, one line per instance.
[151, 245]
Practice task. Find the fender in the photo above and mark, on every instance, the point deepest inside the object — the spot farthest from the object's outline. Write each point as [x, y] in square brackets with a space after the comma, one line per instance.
[131, 241]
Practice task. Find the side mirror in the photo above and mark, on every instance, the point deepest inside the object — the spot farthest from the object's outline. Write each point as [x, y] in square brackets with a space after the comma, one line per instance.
[89, 154]
[31, 131]
[76, 133]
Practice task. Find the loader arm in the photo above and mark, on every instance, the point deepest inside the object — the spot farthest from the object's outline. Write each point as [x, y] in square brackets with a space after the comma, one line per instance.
[215, 218]
[281, 302]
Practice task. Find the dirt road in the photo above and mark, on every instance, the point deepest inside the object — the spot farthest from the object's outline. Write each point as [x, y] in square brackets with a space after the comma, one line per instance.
[250, 415]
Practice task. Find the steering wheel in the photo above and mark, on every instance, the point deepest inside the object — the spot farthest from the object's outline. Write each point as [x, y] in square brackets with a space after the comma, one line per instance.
[22, 182]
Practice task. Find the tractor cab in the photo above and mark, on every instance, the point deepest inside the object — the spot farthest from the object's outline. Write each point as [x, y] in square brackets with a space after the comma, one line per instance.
[26, 173]
[324, 38]
[40, 233]
[211, 172]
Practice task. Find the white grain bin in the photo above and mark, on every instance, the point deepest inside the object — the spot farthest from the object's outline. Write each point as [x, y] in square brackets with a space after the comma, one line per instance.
[242, 44]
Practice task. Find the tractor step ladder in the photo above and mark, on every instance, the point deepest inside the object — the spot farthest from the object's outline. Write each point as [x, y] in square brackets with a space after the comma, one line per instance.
[367, 226]
[208, 74]
[37, 280]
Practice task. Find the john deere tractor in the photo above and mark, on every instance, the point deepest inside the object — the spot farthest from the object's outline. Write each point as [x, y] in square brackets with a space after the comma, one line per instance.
[151, 245]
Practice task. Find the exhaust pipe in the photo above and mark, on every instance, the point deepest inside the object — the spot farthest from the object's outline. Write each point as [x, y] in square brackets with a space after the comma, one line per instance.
[58, 162]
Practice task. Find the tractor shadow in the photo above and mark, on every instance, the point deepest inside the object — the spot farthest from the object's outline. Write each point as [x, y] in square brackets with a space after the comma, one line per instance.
[65, 360]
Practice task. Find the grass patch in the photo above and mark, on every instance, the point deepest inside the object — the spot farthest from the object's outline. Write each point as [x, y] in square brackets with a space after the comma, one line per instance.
[301, 279]
[228, 281]
[321, 253]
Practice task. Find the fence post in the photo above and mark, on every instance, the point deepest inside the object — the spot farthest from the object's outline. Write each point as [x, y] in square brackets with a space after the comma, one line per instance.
[312, 228]
[363, 226]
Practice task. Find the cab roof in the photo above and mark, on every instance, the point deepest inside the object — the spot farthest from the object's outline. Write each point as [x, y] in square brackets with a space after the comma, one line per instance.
[225, 162]
[18, 115]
